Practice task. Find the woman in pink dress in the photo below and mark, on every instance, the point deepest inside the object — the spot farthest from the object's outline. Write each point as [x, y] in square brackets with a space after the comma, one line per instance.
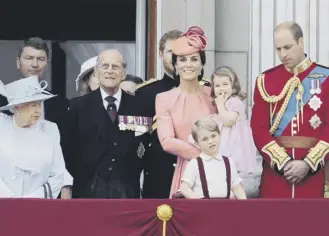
[179, 108]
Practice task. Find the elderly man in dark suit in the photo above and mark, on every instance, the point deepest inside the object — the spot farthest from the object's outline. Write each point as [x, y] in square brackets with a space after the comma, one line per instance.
[32, 60]
[105, 138]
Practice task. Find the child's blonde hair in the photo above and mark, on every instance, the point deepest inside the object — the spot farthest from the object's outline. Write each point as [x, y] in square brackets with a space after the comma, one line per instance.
[228, 72]
[204, 124]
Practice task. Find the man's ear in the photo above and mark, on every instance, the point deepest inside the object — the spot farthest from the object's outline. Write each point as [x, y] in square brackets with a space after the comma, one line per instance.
[18, 63]
[161, 55]
[301, 42]
[124, 75]
[95, 72]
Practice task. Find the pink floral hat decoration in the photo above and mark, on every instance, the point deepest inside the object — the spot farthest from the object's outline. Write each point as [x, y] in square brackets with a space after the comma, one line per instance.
[190, 42]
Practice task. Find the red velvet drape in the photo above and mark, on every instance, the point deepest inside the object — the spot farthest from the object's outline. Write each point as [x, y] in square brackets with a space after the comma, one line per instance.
[139, 218]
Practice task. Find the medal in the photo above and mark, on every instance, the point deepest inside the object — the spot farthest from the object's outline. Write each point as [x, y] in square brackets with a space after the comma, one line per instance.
[318, 87]
[122, 126]
[312, 90]
[143, 129]
[315, 103]
[315, 121]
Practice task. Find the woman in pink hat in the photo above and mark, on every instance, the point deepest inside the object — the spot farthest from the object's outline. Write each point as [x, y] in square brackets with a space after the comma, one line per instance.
[179, 108]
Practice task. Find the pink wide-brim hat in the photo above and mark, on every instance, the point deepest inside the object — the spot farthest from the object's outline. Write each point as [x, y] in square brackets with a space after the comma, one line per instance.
[190, 42]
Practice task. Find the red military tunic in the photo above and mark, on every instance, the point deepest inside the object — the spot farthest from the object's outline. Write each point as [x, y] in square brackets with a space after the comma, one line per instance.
[308, 131]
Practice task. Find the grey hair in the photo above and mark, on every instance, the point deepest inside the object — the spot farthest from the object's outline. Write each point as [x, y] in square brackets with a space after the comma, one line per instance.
[124, 63]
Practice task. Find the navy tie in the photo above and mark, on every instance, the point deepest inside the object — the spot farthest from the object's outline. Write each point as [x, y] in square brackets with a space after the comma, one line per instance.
[111, 108]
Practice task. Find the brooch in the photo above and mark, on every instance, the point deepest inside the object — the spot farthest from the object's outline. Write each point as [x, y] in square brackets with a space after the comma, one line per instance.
[315, 103]
[315, 121]
[140, 150]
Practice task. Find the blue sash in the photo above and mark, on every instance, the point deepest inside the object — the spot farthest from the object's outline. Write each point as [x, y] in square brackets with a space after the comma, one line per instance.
[291, 108]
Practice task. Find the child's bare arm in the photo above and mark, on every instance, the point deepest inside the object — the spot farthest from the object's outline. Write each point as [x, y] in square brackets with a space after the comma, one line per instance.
[239, 192]
[187, 191]
[228, 118]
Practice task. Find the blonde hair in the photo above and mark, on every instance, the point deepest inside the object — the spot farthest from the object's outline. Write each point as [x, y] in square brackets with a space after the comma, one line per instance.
[226, 71]
[84, 87]
[204, 124]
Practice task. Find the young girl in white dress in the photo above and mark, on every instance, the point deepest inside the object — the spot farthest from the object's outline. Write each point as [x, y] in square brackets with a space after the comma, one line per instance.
[31, 159]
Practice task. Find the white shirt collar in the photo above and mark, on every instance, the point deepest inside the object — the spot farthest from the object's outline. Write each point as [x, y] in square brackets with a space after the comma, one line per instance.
[117, 95]
[205, 157]
[169, 75]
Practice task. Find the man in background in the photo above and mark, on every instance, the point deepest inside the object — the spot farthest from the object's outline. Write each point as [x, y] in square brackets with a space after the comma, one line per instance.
[159, 165]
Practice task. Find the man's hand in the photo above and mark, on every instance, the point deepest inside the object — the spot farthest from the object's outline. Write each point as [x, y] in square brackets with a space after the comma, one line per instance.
[66, 192]
[295, 171]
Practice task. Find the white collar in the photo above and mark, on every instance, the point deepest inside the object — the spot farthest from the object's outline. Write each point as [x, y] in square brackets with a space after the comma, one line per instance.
[169, 75]
[117, 95]
[206, 157]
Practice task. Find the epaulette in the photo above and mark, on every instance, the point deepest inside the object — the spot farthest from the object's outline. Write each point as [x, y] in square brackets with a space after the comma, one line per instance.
[129, 92]
[205, 82]
[272, 69]
[147, 82]
[322, 66]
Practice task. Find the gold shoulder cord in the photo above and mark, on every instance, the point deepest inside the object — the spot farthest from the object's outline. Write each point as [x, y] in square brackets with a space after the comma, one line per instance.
[286, 93]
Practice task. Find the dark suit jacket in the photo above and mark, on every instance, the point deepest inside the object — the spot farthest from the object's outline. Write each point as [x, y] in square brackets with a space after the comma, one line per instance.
[89, 143]
[158, 164]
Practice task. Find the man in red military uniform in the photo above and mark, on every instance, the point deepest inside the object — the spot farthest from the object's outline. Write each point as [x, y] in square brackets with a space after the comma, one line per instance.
[290, 120]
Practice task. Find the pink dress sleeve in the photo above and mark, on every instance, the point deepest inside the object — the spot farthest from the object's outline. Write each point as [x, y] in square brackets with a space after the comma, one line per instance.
[166, 133]
[236, 105]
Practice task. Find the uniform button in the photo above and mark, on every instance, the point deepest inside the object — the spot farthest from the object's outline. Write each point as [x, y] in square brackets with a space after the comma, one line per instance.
[150, 144]
[110, 168]
[114, 144]
[147, 173]
[113, 160]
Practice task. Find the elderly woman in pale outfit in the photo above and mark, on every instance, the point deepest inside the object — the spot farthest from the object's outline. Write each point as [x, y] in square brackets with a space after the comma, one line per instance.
[31, 159]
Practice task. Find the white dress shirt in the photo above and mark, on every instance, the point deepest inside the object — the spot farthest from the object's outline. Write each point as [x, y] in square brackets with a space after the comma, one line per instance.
[117, 95]
[29, 158]
[215, 171]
